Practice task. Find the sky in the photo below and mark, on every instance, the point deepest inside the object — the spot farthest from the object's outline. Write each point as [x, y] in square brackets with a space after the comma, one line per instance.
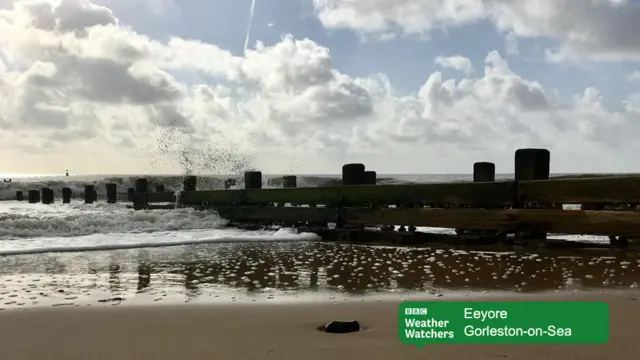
[305, 86]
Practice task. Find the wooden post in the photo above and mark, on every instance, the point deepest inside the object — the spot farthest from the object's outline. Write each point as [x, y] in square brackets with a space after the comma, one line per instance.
[141, 186]
[46, 196]
[130, 193]
[34, 196]
[190, 183]
[253, 180]
[532, 164]
[19, 196]
[228, 183]
[66, 195]
[484, 172]
[159, 187]
[112, 193]
[88, 194]
[352, 174]
[289, 181]
[369, 178]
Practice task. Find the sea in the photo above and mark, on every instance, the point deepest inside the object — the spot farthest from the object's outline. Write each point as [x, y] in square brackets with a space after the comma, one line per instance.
[107, 254]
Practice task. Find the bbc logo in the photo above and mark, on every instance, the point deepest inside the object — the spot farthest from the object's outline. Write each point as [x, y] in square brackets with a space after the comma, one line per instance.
[415, 311]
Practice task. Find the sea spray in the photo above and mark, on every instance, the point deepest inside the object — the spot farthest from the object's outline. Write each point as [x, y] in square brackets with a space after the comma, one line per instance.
[178, 195]
[173, 146]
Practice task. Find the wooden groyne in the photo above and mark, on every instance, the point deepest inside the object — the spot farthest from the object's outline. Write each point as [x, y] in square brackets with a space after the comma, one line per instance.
[530, 206]
[526, 208]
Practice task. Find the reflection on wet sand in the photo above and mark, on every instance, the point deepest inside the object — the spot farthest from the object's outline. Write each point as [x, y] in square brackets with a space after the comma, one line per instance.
[144, 276]
[282, 269]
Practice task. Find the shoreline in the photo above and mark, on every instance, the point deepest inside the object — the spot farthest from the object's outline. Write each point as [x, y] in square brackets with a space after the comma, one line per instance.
[265, 331]
[311, 299]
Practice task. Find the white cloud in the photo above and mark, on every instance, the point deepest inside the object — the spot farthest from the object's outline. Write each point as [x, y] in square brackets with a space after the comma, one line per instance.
[456, 62]
[80, 90]
[599, 29]
[413, 16]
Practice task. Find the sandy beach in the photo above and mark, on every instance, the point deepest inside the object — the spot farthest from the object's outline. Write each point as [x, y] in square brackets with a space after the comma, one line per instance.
[277, 331]
[266, 300]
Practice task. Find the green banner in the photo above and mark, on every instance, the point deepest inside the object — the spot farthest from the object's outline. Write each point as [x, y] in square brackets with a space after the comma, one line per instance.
[549, 322]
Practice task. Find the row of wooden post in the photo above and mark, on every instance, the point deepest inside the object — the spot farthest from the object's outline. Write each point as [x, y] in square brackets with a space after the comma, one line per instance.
[352, 174]
[46, 195]
[141, 185]
[530, 164]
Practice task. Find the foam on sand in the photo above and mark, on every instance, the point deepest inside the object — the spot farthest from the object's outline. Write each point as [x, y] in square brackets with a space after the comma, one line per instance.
[23, 220]
[113, 241]
[36, 228]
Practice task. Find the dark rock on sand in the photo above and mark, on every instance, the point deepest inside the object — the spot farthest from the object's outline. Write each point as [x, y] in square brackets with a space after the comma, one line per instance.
[342, 327]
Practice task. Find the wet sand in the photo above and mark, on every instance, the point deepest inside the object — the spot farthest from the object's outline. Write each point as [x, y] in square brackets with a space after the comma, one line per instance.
[271, 331]
[276, 272]
[266, 300]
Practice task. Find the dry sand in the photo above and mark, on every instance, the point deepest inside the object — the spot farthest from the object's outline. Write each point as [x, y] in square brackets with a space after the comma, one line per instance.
[265, 331]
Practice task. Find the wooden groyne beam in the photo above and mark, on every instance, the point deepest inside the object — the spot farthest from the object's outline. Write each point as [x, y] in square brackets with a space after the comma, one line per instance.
[623, 189]
[499, 193]
[618, 189]
[508, 220]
